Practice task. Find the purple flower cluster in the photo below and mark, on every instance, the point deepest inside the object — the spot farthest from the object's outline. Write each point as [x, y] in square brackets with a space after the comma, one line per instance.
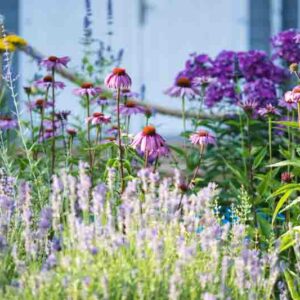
[286, 46]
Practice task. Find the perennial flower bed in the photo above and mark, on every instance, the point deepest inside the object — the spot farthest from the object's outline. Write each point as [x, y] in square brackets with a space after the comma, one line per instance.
[92, 209]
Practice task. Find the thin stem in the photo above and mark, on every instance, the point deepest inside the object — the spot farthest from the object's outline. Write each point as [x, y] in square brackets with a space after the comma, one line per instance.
[183, 120]
[298, 107]
[89, 135]
[31, 118]
[197, 168]
[270, 138]
[41, 131]
[146, 159]
[120, 142]
[289, 139]
[53, 123]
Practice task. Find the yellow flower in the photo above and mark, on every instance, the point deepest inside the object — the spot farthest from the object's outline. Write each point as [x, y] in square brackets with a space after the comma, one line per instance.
[5, 46]
[16, 40]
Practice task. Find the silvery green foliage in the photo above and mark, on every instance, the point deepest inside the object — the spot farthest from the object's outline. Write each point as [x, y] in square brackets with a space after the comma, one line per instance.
[152, 242]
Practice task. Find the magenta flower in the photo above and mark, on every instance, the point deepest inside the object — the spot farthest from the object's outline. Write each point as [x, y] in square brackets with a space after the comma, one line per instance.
[98, 118]
[7, 123]
[202, 138]
[113, 130]
[55, 62]
[131, 108]
[103, 100]
[148, 142]
[295, 94]
[71, 132]
[183, 88]
[268, 110]
[38, 104]
[287, 101]
[127, 93]
[118, 79]
[87, 89]
[47, 82]
[250, 107]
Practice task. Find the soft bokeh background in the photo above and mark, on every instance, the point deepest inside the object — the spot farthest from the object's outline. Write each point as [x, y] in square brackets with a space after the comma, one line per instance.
[156, 35]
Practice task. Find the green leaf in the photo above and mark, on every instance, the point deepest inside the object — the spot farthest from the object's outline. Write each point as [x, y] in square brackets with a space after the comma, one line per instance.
[287, 240]
[287, 123]
[291, 285]
[259, 157]
[294, 162]
[294, 202]
[264, 225]
[285, 188]
[280, 203]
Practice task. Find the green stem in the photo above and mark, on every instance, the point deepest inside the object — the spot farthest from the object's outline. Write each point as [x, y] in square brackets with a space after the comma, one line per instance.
[270, 138]
[120, 142]
[53, 123]
[89, 136]
[183, 120]
[31, 118]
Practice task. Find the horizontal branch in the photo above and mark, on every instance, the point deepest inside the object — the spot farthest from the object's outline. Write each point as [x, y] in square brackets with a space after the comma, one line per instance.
[36, 55]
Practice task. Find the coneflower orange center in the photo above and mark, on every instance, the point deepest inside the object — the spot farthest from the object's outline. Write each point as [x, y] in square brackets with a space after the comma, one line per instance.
[48, 78]
[183, 82]
[40, 102]
[119, 71]
[203, 133]
[53, 58]
[130, 104]
[97, 114]
[149, 130]
[87, 85]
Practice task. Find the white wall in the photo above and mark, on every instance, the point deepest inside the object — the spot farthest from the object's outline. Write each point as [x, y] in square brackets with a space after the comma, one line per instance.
[154, 54]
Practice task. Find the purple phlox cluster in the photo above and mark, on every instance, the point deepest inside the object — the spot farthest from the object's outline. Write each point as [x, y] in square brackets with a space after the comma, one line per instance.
[262, 91]
[224, 65]
[286, 46]
[218, 90]
[256, 64]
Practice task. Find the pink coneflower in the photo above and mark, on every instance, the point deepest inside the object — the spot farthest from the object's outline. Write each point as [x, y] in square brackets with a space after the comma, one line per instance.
[131, 108]
[268, 110]
[250, 107]
[113, 130]
[71, 132]
[7, 122]
[104, 100]
[98, 118]
[287, 101]
[149, 142]
[183, 87]
[202, 138]
[118, 79]
[55, 62]
[47, 82]
[87, 88]
[127, 93]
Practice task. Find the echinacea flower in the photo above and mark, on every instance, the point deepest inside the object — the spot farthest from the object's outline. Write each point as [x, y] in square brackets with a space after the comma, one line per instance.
[71, 132]
[250, 107]
[149, 142]
[98, 118]
[55, 62]
[127, 93]
[38, 104]
[295, 94]
[268, 110]
[287, 101]
[113, 130]
[183, 87]
[7, 122]
[47, 82]
[87, 89]
[118, 79]
[103, 100]
[131, 108]
[202, 138]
